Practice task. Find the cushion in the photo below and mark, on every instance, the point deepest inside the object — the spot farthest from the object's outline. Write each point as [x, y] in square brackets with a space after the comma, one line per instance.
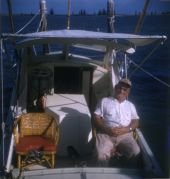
[28, 143]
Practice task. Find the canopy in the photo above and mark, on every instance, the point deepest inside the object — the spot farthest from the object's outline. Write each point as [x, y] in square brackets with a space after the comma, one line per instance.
[120, 41]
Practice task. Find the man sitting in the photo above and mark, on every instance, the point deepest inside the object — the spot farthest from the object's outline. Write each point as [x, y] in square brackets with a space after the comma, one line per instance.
[116, 119]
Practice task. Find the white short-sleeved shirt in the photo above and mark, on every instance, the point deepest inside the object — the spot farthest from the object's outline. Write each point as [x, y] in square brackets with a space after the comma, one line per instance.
[116, 114]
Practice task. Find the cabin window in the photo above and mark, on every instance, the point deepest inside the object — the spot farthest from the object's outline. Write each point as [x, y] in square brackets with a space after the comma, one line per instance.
[67, 80]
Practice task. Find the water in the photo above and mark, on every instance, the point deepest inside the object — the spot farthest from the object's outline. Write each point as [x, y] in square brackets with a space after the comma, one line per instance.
[151, 97]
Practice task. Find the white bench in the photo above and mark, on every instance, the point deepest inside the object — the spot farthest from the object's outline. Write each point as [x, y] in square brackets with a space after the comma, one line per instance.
[74, 121]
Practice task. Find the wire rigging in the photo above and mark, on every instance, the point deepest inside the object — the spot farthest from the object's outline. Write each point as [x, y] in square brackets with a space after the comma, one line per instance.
[28, 23]
[148, 73]
[40, 23]
[146, 58]
[2, 105]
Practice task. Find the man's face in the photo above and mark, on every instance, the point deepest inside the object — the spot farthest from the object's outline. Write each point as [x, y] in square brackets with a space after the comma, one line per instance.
[121, 92]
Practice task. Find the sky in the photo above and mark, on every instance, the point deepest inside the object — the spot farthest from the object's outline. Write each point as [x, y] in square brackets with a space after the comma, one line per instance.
[90, 6]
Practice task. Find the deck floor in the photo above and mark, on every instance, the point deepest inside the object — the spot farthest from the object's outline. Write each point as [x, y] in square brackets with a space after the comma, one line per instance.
[85, 161]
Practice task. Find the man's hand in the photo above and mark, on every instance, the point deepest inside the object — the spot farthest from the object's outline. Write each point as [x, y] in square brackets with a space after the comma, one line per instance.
[116, 131]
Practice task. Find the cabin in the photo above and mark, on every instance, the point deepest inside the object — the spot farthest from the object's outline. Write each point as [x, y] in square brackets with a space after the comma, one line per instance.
[66, 89]
[66, 86]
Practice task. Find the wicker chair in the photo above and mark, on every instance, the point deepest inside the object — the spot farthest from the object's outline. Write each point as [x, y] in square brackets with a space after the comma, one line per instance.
[36, 138]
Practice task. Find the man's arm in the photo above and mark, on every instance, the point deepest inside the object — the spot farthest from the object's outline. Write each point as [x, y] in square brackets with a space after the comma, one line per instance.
[134, 124]
[131, 127]
[101, 126]
[115, 131]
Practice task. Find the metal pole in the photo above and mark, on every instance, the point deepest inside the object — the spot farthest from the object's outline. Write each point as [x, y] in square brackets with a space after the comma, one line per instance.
[125, 65]
[68, 16]
[141, 17]
[2, 107]
[11, 19]
[66, 47]
[112, 64]
[110, 15]
[43, 11]
[11, 16]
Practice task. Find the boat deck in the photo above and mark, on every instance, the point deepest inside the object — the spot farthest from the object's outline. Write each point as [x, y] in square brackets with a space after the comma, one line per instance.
[74, 161]
[78, 168]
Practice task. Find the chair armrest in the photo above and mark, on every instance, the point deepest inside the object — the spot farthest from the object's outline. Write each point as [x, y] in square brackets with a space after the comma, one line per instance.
[15, 130]
[57, 134]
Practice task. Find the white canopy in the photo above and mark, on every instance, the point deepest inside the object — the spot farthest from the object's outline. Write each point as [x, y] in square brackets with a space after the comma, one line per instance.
[118, 41]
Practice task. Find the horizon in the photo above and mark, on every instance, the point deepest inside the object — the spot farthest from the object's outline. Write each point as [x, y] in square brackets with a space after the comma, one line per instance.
[91, 14]
[60, 7]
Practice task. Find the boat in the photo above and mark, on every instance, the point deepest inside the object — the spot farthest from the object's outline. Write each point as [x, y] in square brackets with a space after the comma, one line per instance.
[68, 86]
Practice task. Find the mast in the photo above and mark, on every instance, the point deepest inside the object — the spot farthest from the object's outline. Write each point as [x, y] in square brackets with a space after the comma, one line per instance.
[3, 125]
[111, 64]
[11, 21]
[141, 17]
[66, 47]
[2, 130]
[43, 11]
[68, 16]
[110, 15]
[11, 16]
[43, 26]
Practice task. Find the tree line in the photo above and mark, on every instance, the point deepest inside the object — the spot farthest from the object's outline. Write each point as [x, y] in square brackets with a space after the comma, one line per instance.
[83, 12]
[103, 11]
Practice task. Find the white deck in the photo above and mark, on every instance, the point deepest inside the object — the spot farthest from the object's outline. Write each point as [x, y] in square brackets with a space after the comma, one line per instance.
[84, 173]
[74, 118]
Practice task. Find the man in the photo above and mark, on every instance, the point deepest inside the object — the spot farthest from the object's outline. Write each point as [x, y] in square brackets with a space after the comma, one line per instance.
[116, 119]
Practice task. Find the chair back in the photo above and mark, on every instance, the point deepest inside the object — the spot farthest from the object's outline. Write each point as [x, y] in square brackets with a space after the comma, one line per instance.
[37, 124]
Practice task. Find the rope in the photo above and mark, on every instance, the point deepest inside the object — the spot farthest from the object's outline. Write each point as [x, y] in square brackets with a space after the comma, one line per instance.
[29, 22]
[154, 77]
[146, 58]
[2, 105]
[40, 23]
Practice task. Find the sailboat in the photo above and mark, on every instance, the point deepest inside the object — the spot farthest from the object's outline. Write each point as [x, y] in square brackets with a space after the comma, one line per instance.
[65, 87]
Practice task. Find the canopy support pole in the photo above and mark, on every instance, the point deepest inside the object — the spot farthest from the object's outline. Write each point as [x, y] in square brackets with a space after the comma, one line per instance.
[126, 75]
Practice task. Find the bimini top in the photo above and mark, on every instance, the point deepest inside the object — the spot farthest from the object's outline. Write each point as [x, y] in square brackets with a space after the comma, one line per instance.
[120, 41]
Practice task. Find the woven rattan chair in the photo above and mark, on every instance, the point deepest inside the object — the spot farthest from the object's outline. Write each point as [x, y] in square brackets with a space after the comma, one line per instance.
[36, 138]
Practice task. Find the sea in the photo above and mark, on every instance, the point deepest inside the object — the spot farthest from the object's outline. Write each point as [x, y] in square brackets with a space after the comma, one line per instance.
[151, 84]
